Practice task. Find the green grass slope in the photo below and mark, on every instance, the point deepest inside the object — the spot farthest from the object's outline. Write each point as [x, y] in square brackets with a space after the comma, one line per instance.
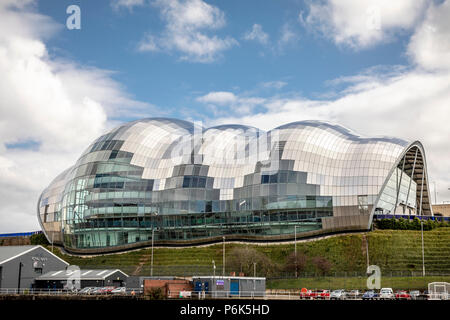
[391, 250]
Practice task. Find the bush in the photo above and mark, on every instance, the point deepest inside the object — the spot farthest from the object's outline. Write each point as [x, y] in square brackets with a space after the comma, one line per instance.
[39, 239]
[243, 259]
[296, 263]
[403, 224]
[156, 294]
[323, 265]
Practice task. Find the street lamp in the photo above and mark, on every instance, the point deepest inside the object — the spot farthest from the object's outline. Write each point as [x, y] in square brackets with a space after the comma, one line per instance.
[151, 268]
[423, 254]
[295, 250]
[223, 268]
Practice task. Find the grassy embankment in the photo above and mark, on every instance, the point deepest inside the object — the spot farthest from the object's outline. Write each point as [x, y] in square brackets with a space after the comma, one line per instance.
[393, 251]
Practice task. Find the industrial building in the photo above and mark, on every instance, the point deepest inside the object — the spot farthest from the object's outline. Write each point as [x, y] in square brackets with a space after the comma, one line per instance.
[20, 265]
[230, 286]
[87, 278]
[173, 182]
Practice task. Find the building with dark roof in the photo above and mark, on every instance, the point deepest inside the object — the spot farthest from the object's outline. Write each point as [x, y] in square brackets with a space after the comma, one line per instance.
[20, 265]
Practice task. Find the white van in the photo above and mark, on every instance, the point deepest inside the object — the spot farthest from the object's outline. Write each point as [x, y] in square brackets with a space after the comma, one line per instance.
[386, 293]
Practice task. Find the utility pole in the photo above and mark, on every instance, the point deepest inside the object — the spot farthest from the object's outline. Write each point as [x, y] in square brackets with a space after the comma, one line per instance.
[423, 253]
[295, 250]
[151, 268]
[223, 268]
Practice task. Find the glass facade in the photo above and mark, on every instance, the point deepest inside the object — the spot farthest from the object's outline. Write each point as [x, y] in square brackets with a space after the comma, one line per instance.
[180, 183]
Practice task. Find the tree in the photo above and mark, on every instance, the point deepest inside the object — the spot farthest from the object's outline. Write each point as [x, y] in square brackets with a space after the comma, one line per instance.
[38, 239]
[322, 265]
[242, 259]
[296, 262]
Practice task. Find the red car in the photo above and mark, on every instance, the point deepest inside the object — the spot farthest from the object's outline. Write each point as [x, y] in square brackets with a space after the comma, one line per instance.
[324, 294]
[402, 295]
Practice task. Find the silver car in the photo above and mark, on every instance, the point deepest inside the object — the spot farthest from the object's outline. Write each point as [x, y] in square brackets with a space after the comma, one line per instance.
[338, 294]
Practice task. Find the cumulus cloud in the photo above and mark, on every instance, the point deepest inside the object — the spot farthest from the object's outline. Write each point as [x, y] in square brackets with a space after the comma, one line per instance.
[218, 97]
[129, 4]
[363, 23]
[410, 102]
[220, 102]
[186, 31]
[55, 106]
[257, 34]
[430, 45]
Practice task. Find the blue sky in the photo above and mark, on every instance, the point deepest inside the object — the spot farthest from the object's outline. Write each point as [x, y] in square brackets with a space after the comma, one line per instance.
[378, 69]
[109, 39]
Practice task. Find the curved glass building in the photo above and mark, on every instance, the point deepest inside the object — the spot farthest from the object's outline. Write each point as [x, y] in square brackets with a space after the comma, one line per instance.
[182, 184]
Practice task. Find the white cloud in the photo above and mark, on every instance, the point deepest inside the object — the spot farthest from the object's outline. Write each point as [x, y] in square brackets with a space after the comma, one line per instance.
[218, 97]
[402, 101]
[187, 24]
[257, 34]
[288, 36]
[274, 84]
[430, 46]
[129, 4]
[220, 102]
[363, 23]
[59, 105]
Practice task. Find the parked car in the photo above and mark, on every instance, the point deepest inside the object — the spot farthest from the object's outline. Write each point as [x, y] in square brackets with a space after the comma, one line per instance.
[338, 294]
[324, 295]
[304, 293]
[424, 295]
[87, 290]
[314, 294]
[386, 294]
[414, 294]
[104, 290]
[402, 295]
[119, 290]
[370, 295]
[354, 294]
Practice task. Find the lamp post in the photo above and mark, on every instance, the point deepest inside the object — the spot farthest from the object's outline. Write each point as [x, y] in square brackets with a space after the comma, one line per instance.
[295, 250]
[151, 264]
[423, 254]
[214, 277]
[223, 268]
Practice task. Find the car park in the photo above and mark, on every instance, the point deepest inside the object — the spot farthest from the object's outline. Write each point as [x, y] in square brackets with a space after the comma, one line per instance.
[337, 294]
[370, 295]
[386, 294]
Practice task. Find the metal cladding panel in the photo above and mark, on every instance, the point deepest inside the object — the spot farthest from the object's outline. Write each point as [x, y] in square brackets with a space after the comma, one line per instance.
[188, 183]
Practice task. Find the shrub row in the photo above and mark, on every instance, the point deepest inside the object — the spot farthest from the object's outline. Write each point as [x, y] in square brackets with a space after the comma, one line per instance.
[404, 224]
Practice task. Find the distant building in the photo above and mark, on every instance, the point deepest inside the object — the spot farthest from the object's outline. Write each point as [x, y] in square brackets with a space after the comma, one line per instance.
[20, 265]
[230, 286]
[441, 210]
[87, 278]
